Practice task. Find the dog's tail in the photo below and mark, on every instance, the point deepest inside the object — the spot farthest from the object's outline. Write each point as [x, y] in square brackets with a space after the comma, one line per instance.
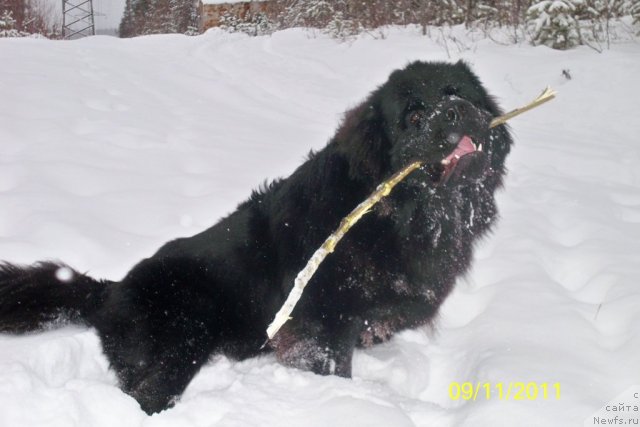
[46, 294]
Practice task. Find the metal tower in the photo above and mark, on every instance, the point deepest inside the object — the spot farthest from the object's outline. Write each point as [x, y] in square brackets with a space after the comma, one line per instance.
[77, 19]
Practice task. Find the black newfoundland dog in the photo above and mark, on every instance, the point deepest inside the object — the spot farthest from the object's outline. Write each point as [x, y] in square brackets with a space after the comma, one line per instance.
[216, 292]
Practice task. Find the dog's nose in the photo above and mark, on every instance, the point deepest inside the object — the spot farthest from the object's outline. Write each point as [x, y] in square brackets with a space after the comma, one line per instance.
[456, 112]
[452, 115]
[459, 116]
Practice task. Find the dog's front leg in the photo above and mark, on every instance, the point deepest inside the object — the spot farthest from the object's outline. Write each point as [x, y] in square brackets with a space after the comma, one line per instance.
[325, 348]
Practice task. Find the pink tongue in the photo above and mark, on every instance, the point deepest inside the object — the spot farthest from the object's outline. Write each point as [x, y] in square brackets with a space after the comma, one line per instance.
[465, 146]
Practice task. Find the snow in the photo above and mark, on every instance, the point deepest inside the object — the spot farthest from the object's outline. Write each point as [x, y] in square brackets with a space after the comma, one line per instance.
[111, 147]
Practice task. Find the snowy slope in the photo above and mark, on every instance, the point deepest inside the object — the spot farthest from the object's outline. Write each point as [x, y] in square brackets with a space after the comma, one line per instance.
[110, 147]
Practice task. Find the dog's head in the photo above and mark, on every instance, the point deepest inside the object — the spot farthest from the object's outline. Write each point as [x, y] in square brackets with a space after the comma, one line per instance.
[436, 113]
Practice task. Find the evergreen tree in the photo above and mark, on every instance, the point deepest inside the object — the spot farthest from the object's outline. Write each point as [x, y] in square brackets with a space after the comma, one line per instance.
[133, 17]
[21, 18]
[597, 17]
[554, 23]
[634, 9]
[493, 12]
[447, 12]
[8, 25]
[312, 13]
[256, 24]
[160, 17]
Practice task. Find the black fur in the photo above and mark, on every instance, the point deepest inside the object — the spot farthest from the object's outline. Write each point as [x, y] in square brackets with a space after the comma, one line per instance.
[217, 291]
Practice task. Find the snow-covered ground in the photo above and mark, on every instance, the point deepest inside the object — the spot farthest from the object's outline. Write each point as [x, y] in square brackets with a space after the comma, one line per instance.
[110, 147]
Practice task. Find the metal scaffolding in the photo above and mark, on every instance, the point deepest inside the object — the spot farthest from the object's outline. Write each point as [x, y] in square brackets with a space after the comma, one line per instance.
[77, 19]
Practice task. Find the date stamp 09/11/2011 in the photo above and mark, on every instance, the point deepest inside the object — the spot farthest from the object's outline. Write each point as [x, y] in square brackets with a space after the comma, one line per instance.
[517, 390]
[624, 409]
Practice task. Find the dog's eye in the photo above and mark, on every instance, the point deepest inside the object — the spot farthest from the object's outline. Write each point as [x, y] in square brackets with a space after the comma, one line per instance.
[415, 117]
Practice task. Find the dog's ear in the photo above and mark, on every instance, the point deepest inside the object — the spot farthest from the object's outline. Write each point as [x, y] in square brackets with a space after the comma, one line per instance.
[363, 140]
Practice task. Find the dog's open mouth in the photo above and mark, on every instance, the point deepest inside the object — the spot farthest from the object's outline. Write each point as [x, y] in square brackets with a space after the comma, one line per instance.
[465, 146]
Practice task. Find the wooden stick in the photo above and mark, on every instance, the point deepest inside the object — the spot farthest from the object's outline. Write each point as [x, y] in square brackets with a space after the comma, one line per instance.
[329, 245]
[547, 95]
[383, 190]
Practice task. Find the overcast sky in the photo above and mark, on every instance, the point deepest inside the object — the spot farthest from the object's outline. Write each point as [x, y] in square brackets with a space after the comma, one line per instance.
[108, 13]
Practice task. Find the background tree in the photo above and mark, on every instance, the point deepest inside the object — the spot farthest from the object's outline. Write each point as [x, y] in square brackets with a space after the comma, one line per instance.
[159, 17]
[634, 9]
[554, 23]
[19, 18]
[560, 24]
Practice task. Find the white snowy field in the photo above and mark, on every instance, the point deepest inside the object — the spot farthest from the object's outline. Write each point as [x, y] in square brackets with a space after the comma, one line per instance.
[109, 147]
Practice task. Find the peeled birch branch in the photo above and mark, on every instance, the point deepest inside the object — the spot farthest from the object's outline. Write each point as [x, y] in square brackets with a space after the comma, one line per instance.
[329, 245]
[383, 190]
[547, 95]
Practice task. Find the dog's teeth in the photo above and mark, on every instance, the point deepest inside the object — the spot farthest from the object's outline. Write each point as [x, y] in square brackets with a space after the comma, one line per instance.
[456, 156]
[480, 147]
[445, 161]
